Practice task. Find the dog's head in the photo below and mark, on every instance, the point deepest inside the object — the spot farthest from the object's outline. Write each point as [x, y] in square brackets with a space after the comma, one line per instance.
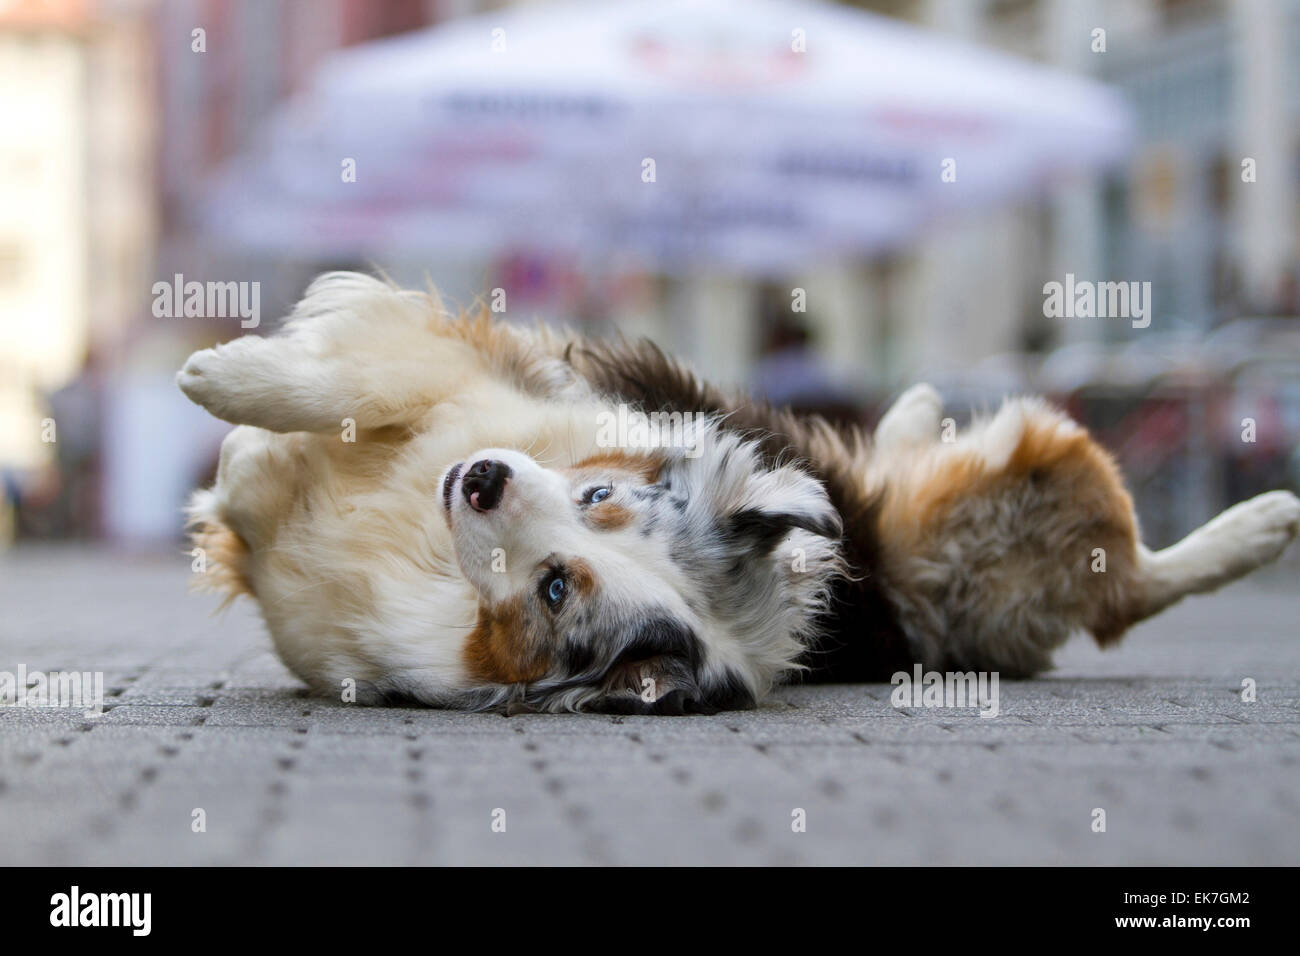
[655, 582]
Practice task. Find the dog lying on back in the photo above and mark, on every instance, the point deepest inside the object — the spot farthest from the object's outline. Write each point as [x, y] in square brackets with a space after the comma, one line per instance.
[427, 508]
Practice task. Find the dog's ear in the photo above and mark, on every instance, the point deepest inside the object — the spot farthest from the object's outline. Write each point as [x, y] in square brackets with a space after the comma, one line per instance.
[764, 529]
[654, 673]
[759, 504]
[659, 672]
[778, 501]
[655, 685]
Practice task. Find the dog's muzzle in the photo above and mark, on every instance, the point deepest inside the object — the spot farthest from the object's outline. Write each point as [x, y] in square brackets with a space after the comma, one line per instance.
[484, 484]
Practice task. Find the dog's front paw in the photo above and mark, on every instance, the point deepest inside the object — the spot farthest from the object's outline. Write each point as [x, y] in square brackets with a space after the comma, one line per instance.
[195, 378]
[221, 378]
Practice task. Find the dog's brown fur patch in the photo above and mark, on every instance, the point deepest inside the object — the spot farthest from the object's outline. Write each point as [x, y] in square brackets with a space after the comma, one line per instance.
[582, 576]
[1078, 469]
[609, 517]
[646, 468]
[1090, 486]
[500, 649]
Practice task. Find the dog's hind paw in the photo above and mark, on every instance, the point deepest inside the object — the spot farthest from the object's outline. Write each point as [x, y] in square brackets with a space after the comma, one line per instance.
[912, 420]
[1257, 531]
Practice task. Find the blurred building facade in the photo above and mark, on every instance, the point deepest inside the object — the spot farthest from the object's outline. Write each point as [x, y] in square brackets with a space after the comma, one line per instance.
[78, 217]
[43, 219]
[1214, 84]
[126, 108]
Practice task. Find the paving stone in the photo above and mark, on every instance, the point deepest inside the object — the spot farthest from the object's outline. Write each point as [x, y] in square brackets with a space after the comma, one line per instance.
[201, 716]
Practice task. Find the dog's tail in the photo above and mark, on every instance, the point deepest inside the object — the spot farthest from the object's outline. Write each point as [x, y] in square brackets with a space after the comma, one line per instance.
[220, 555]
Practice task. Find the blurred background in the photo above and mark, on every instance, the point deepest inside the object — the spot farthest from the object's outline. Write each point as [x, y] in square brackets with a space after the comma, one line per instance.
[822, 202]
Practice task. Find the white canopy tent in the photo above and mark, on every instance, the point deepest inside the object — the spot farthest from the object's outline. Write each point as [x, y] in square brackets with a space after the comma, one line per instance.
[778, 133]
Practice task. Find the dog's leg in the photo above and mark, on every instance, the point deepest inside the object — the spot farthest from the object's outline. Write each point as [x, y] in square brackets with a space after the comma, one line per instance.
[354, 350]
[1238, 541]
[912, 421]
[239, 515]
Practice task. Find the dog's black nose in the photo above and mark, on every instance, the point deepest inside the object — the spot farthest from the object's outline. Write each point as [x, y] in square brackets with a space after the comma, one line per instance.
[484, 483]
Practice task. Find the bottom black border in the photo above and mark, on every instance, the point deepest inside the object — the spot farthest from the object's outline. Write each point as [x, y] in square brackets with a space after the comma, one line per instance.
[332, 904]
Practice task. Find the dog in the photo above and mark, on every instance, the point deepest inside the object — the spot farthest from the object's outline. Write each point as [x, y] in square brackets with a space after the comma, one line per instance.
[428, 509]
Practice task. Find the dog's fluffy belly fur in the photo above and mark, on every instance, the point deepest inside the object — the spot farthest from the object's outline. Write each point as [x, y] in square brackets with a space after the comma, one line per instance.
[692, 583]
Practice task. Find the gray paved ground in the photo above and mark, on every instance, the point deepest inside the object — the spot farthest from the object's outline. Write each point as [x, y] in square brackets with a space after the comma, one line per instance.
[203, 716]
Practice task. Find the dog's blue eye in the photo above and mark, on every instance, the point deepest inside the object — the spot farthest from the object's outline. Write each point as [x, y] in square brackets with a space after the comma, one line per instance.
[555, 591]
[597, 495]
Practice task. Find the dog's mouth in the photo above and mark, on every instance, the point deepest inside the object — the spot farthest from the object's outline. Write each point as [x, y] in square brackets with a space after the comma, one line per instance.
[449, 484]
